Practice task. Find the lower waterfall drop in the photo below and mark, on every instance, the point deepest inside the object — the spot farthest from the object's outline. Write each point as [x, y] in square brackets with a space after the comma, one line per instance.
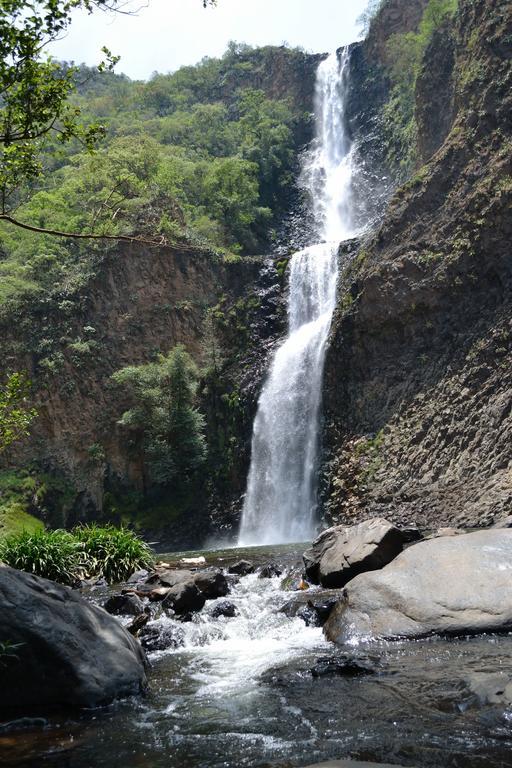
[280, 502]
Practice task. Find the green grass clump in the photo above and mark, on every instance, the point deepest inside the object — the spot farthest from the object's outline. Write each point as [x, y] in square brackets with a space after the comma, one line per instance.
[67, 557]
[55, 555]
[114, 553]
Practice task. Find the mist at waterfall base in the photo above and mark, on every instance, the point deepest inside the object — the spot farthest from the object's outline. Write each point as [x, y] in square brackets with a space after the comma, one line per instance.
[280, 502]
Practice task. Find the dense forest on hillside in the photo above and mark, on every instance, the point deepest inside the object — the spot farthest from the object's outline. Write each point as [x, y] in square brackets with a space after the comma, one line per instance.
[200, 158]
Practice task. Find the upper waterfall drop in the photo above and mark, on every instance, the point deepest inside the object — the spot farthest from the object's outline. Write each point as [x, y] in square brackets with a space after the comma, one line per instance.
[280, 502]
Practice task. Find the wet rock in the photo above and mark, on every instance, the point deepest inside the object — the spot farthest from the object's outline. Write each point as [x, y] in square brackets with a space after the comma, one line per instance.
[336, 666]
[138, 576]
[69, 652]
[138, 623]
[160, 637]
[491, 688]
[269, 571]
[224, 608]
[124, 605]
[241, 568]
[212, 583]
[313, 607]
[183, 598]
[342, 552]
[452, 585]
[504, 522]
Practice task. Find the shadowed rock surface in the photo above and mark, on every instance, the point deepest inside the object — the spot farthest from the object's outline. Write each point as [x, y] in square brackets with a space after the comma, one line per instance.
[66, 651]
[455, 585]
[342, 552]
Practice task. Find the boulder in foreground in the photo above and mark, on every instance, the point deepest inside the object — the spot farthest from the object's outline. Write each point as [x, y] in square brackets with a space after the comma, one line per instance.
[454, 585]
[61, 651]
[342, 552]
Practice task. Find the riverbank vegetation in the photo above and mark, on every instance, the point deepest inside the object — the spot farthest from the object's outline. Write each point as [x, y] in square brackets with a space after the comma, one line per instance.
[71, 556]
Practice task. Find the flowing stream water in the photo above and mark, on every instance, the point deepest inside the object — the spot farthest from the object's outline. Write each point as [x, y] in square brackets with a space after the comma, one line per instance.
[280, 502]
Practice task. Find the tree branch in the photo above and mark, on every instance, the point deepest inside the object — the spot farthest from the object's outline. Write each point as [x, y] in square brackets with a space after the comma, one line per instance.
[162, 241]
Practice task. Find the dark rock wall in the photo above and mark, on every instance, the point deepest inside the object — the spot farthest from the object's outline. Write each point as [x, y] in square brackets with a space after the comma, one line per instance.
[417, 383]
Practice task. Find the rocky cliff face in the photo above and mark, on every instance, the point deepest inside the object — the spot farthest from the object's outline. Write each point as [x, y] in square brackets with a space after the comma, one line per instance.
[418, 392]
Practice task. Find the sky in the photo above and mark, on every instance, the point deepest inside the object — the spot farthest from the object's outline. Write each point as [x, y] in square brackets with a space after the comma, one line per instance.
[167, 34]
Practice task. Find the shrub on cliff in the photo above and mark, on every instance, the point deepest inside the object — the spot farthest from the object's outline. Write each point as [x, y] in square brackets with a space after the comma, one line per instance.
[67, 557]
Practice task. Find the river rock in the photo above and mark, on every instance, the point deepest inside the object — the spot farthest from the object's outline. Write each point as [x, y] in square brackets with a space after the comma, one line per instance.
[241, 568]
[314, 607]
[211, 582]
[269, 571]
[224, 608]
[504, 522]
[342, 552]
[491, 687]
[159, 636]
[343, 666]
[124, 605]
[453, 585]
[67, 651]
[183, 598]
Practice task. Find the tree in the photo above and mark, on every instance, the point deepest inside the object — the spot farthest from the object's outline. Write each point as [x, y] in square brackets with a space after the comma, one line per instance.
[161, 419]
[15, 413]
[35, 109]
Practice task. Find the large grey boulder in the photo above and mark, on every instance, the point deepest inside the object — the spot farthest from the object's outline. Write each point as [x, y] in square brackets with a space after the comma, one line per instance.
[351, 764]
[61, 651]
[342, 552]
[453, 585]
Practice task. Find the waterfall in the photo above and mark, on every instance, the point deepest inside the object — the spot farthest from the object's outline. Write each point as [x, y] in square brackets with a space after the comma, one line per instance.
[280, 502]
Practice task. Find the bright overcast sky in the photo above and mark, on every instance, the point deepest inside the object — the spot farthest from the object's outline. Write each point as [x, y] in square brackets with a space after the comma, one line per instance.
[169, 33]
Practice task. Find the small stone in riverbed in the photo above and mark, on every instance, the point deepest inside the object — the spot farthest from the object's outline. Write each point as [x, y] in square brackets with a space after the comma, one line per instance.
[138, 576]
[269, 571]
[241, 568]
[157, 637]
[224, 608]
[124, 605]
[336, 666]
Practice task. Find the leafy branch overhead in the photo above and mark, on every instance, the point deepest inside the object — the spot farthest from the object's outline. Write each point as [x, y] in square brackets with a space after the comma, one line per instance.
[36, 112]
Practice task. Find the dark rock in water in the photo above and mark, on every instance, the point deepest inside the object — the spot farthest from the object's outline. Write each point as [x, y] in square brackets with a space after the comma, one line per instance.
[241, 568]
[313, 607]
[342, 552]
[138, 576]
[67, 651]
[452, 585]
[160, 637]
[224, 608]
[124, 605]
[212, 583]
[269, 571]
[336, 666]
[184, 598]
[138, 623]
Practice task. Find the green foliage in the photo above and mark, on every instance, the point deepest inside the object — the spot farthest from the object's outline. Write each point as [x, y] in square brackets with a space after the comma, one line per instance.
[55, 555]
[67, 557]
[406, 54]
[199, 157]
[35, 91]
[113, 553]
[8, 652]
[16, 415]
[162, 422]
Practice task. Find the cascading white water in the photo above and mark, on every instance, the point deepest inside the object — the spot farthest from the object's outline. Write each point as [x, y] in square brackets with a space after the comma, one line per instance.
[281, 492]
